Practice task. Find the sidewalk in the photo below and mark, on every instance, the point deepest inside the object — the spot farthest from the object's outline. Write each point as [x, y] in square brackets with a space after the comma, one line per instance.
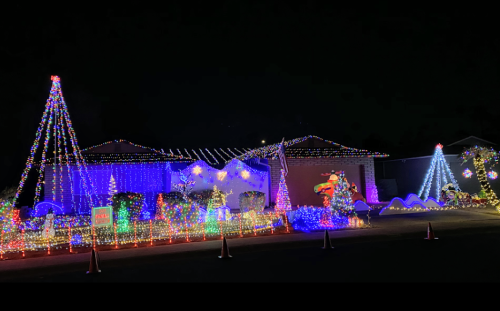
[383, 227]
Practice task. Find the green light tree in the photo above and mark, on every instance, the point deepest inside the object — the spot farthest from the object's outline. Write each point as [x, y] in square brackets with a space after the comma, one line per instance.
[341, 202]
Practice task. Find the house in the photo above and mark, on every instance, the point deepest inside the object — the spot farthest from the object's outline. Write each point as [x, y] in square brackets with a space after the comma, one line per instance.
[135, 168]
[145, 170]
[401, 177]
[310, 156]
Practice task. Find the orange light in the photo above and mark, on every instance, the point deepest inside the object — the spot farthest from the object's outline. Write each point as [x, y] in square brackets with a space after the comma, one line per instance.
[221, 175]
[197, 170]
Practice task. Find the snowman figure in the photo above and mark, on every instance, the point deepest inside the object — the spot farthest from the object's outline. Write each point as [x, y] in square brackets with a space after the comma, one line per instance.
[49, 223]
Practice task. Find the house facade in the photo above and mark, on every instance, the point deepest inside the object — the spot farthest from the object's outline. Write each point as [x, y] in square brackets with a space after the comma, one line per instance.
[125, 166]
[401, 177]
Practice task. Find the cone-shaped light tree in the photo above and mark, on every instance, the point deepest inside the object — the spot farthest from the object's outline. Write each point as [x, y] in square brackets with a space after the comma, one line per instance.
[374, 196]
[480, 156]
[112, 189]
[61, 138]
[282, 198]
[442, 173]
[341, 203]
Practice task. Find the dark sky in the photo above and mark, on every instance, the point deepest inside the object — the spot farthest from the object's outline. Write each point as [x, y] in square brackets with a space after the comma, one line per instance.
[188, 74]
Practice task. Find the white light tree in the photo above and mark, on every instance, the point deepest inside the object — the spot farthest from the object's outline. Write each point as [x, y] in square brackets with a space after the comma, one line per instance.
[112, 189]
[443, 170]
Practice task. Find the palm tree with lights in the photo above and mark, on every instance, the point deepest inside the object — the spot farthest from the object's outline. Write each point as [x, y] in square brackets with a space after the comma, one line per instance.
[480, 156]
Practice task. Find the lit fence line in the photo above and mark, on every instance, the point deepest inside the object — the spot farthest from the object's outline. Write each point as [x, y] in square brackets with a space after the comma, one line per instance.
[78, 236]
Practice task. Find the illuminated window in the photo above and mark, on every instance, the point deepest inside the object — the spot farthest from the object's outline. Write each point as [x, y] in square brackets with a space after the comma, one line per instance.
[221, 175]
[197, 170]
[245, 174]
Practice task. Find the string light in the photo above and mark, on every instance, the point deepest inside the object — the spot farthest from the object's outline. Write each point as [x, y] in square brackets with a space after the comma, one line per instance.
[492, 175]
[336, 151]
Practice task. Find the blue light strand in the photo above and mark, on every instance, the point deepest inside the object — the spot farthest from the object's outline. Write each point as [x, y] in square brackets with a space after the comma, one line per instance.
[428, 177]
[438, 178]
[444, 166]
[452, 178]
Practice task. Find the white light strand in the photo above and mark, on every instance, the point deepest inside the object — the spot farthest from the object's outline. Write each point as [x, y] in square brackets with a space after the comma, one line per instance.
[216, 161]
[234, 154]
[438, 178]
[220, 155]
[206, 158]
[226, 154]
[428, 176]
[429, 182]
[187, 153]
[197, 155]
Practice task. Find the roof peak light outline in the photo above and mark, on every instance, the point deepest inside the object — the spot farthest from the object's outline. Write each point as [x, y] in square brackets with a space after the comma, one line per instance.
[271, 151]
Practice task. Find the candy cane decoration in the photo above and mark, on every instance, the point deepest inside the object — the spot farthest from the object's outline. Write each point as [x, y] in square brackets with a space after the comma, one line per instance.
[271, 220]
[69, 238]
[116, 238]
[93, 237]
[186, 226]
[239, 216]
[151, 231]
[22, 236]
[1, 250]
[169, 230]
[48, 242]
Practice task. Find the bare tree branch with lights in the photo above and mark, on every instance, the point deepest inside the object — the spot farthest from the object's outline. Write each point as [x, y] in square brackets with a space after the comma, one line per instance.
[480, 156]
[185, 187]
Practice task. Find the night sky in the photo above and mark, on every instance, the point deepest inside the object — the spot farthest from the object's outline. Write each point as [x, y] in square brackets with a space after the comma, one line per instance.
[189, 74]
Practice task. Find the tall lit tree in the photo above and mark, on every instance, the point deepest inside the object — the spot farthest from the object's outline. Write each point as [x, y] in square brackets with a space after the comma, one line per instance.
[442, 173]
[341, 202]
[112, 189]
[480, 156]
[59, 133]
[282, 198]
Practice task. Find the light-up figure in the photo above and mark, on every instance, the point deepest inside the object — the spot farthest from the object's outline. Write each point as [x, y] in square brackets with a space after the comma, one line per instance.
[49, 224]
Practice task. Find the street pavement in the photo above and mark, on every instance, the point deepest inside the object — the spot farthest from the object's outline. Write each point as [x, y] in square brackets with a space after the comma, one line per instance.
[393, 249]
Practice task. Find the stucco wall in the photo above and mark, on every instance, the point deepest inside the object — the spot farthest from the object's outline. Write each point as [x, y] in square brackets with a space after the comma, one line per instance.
[361, 171]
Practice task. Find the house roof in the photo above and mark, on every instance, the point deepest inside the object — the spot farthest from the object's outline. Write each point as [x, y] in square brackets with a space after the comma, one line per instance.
[471, 141]
[310, 147]
[303, 147]
[213, 156]
[125, 151]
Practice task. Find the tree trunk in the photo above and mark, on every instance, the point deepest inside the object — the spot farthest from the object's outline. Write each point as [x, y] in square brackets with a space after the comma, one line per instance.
[485, 185]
